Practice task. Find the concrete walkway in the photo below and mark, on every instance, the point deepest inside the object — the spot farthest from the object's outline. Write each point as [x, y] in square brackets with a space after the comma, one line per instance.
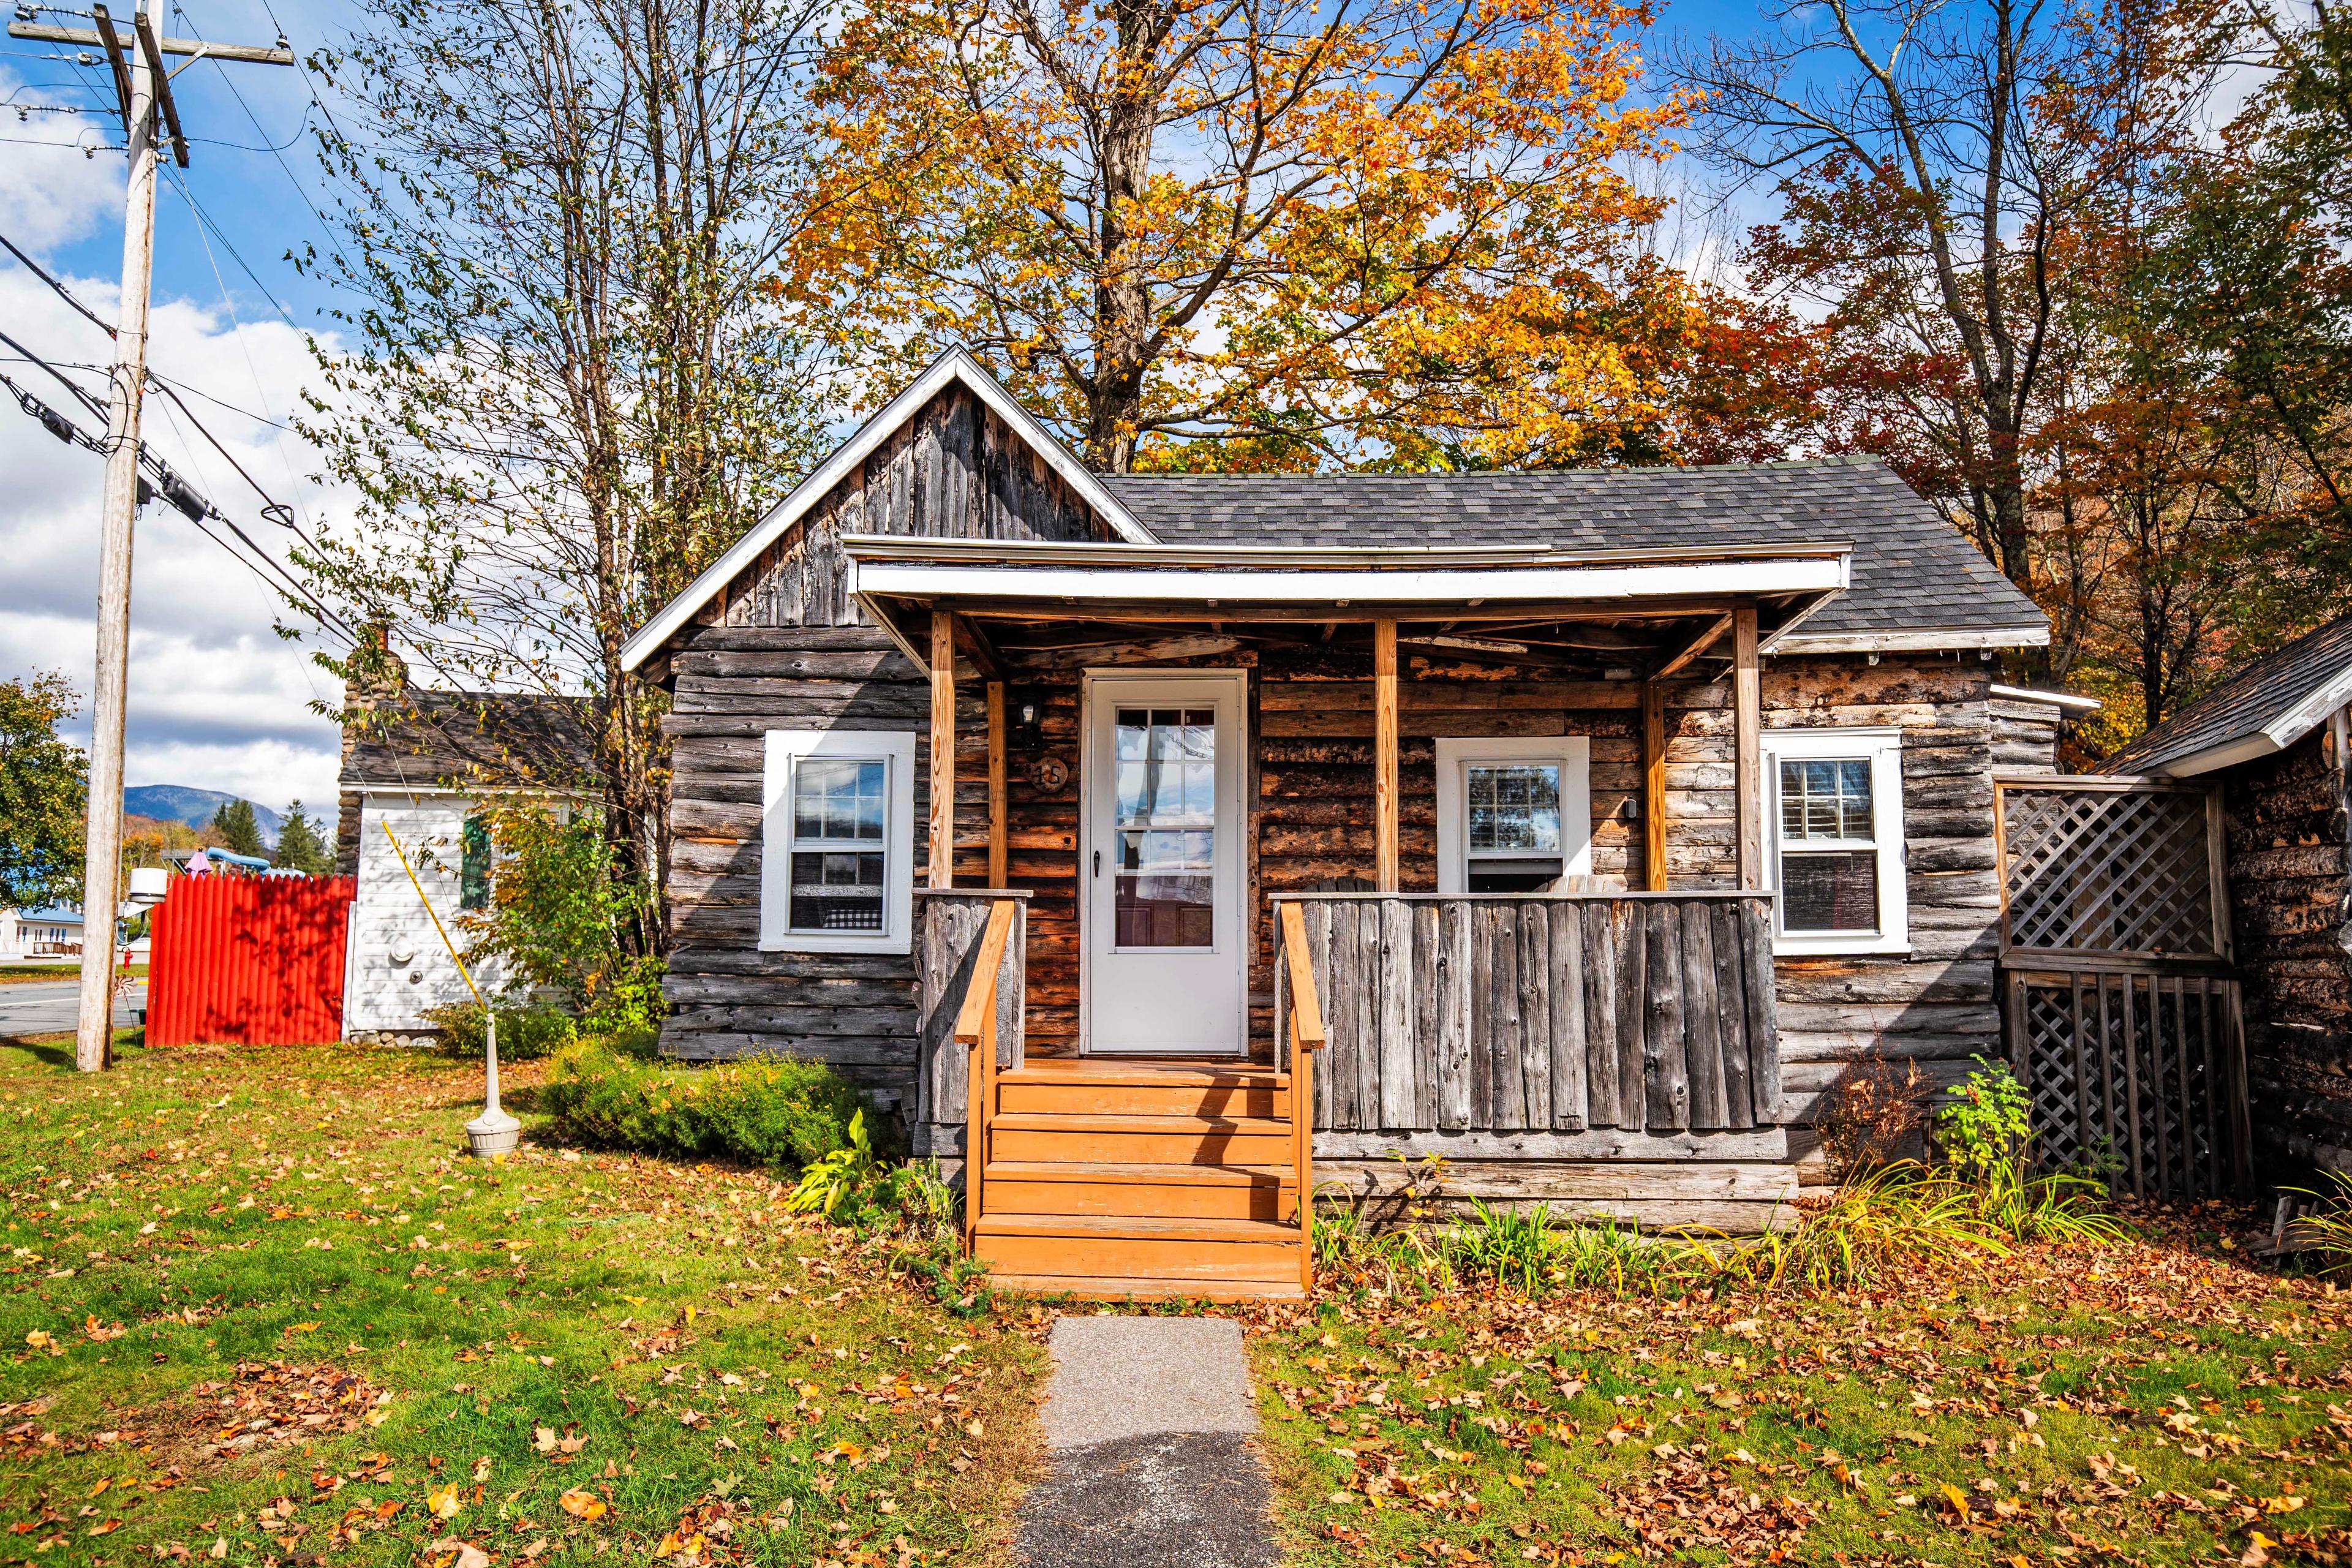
[1148, 1422]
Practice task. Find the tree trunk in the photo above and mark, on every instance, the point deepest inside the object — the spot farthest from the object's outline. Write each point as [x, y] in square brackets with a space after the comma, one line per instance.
[1122, 323]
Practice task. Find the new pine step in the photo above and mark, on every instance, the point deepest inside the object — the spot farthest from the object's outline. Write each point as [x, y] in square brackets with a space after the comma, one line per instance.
[1198, 1095]
[1104, 1070]
[1089, 1287]
[1226, 1251]
[1181, 1191]
[1139, 1139]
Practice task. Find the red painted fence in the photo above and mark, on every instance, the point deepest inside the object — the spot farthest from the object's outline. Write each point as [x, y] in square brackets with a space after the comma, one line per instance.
[253, 961]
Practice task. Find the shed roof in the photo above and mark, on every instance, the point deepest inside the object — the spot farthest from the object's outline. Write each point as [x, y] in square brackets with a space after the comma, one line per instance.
[2266, 707]
[1915, 581]
[471, 739]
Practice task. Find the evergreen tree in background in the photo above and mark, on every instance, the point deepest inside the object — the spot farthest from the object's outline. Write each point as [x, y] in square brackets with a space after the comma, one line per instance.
[234, 829]
[301, 847]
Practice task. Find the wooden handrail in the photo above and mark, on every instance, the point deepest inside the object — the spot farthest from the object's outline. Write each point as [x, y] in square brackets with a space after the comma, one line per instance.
[975, 1028]
[1306, 1038]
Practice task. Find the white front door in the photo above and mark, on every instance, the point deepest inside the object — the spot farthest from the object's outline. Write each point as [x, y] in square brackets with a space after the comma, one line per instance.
[1164, 899]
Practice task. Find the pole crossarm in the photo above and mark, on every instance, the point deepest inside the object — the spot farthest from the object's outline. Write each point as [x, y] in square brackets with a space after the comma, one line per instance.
[90, 38]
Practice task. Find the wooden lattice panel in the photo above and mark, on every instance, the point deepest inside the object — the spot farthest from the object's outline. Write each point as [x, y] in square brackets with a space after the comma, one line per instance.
[2109, 868]
[2139, 1078]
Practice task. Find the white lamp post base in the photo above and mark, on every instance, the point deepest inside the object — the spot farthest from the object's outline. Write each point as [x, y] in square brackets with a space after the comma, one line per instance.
[493, 1134]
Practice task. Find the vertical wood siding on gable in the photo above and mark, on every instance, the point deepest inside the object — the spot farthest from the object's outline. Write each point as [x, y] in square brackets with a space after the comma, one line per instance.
[953, 472]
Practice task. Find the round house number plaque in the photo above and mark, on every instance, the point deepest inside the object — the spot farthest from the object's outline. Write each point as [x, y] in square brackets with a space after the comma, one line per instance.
[1051, 773]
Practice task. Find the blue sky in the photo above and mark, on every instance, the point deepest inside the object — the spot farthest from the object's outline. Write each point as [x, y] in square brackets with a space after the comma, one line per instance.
[218, 701]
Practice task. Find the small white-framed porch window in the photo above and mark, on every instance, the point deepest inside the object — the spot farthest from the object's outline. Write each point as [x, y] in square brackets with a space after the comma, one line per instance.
[1835, 802]
[837, 842]
[1514, 813]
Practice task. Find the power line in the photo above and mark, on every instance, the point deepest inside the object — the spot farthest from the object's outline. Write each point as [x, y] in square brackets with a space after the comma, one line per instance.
[205, 221]
[293, 592]
[185, 499]
[56, 424]
[89, 402]
[62, 292]
[278, 151]
[275, 511]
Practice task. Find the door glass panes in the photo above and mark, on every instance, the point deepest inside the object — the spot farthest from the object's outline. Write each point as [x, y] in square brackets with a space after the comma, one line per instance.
[839, 805]
[1829, 854]
[1514, 808]
[1163, 826]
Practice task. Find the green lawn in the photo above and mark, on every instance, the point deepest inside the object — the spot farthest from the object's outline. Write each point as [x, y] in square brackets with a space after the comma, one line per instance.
[263, 1310]
[2158, 1403]
[33, 973]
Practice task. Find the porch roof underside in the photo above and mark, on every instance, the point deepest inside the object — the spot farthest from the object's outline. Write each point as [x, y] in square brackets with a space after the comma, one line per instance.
[1644, 610]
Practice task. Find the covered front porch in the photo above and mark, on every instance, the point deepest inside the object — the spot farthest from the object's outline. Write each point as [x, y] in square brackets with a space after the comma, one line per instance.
[1582, 983]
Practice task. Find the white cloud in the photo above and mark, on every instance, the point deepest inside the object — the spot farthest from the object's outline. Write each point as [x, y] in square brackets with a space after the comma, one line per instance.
[53, 195]
[217, 699]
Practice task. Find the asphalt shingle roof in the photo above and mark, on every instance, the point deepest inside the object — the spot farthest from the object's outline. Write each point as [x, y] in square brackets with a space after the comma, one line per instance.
[1911, 571]
[425, 739]
[2246, 703]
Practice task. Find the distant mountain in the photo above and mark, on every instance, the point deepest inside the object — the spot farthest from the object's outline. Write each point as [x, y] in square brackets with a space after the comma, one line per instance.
[178, 803]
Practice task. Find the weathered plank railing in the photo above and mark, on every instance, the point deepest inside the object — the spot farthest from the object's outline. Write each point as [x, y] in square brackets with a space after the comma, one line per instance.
[1638, 1011]
[951, 926]
[975, 1031]
[1305, 1013]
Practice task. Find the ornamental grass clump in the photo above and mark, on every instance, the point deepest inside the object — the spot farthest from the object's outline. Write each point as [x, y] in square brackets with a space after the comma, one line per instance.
[2327, 1230]
[784, 1114]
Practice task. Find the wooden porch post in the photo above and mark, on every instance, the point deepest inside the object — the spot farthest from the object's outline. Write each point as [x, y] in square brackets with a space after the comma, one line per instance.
[1747, 714]
[1653, 785]
[942, 848]
[1384, 755]
[996, 790]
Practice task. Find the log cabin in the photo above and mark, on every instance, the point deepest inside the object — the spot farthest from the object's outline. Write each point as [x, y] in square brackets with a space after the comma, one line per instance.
[1161, 849]
[2273, 739]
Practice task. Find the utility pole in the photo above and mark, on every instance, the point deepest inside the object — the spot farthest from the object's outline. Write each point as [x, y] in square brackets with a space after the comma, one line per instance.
[144, 88]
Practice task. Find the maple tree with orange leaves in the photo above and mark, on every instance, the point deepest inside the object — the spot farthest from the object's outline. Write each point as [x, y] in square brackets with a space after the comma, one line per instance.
[1271, 235]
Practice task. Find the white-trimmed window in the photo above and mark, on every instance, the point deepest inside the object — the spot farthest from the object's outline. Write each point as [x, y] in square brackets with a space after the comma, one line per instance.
[1514, 814]
[1835, 799]
[837, 845]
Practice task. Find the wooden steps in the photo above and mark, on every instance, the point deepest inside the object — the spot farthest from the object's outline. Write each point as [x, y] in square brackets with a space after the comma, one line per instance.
[1140, 1179]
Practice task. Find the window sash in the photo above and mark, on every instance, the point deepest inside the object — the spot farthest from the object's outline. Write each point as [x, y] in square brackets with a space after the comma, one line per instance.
[806, 904]
[1879, 804]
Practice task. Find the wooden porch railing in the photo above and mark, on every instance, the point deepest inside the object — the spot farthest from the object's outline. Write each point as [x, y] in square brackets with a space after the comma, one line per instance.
[1305, 1011]
[975, 1030]
[1637, 1011]
[950, 928]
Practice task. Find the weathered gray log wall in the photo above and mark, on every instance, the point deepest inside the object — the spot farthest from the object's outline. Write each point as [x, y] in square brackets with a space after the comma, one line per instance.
[1936, 1004]
[1649, 1012]
[2285, 820]
[949, 925]
[2025, 736]
[730, 686]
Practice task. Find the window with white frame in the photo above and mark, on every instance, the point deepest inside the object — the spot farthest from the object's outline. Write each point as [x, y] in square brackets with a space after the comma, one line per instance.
[837, 842]
[1514, 814]
[1836, 803]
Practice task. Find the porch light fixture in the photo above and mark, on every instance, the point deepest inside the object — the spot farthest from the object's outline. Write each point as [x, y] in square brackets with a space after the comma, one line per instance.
[1024, 714]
